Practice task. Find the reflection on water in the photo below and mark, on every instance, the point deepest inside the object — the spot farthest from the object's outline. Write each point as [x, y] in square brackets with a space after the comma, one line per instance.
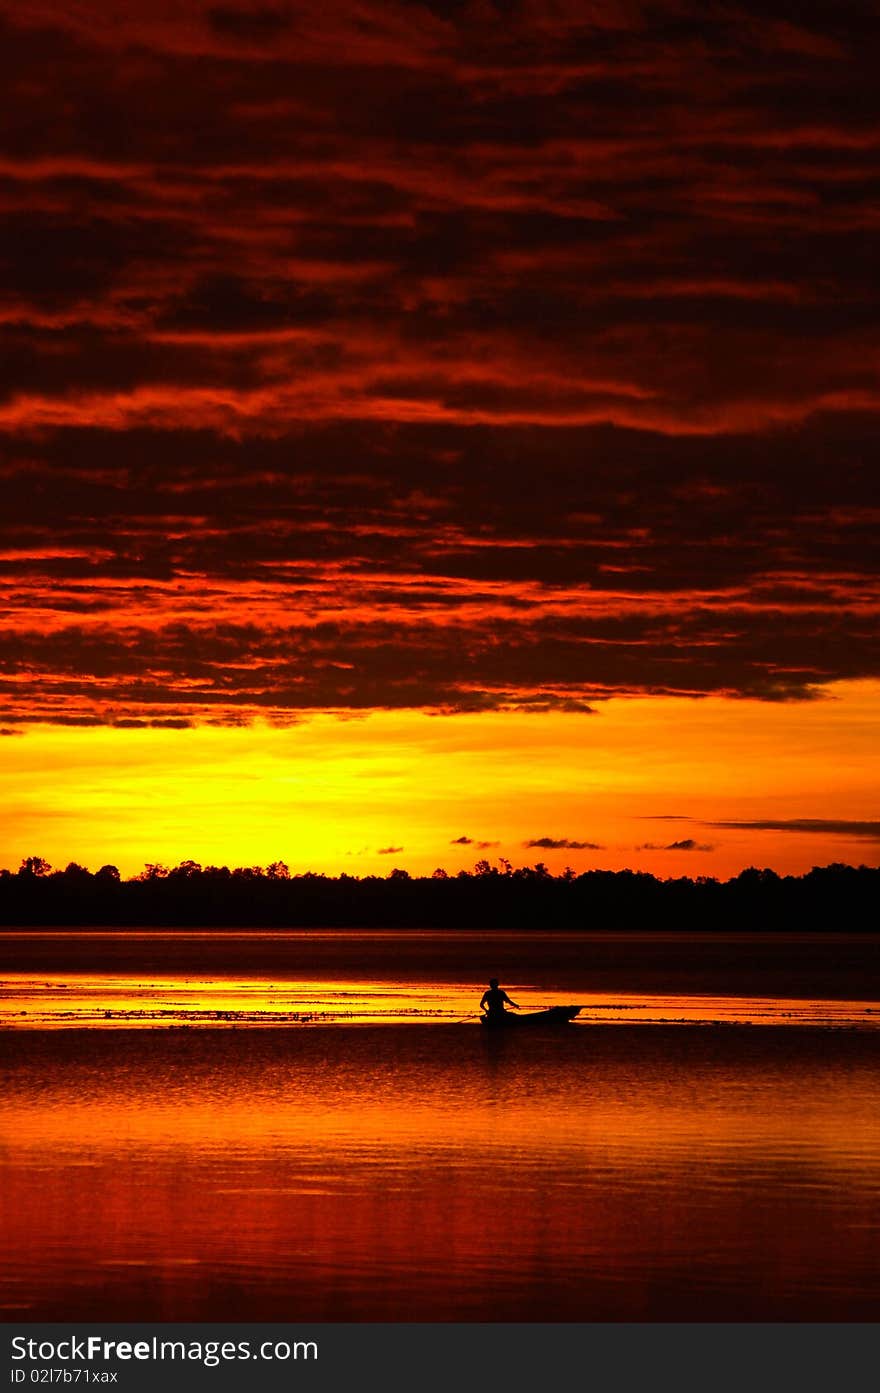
[307, 978]
[183, 1002]
[631, 1173]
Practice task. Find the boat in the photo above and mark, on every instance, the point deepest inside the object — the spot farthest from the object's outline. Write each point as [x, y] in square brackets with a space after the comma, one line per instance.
[554, 1015]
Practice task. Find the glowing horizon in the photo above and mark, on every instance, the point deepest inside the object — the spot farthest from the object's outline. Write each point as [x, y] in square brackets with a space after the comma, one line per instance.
[417, 791]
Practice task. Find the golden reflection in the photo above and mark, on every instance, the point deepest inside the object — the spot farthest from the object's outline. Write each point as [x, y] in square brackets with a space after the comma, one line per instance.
[264, 1127]
[438, 1174]
[120, 1000]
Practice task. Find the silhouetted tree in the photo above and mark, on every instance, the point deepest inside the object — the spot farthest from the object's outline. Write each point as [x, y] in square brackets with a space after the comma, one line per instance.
[153, 870]
[186, 870]
[828, 897]
[34, 866]
[74, 871]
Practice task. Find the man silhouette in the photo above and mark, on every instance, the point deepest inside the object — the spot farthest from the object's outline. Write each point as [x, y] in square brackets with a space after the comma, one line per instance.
[493, 1000]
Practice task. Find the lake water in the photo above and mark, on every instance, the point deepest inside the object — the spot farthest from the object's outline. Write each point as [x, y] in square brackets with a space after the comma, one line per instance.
[313, 1127]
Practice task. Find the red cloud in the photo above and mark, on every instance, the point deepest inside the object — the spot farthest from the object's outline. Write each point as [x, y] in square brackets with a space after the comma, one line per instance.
[363, 354]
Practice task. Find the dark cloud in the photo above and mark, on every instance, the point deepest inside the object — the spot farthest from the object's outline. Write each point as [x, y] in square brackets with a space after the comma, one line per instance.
[163, 723]
[833, 827]
[161, 579]
[561, 844]
[260, 23]
[389, 850]
[401, 355]
[686, 844]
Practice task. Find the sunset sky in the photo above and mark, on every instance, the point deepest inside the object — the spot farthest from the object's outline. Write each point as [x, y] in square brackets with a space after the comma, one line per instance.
[435, 431]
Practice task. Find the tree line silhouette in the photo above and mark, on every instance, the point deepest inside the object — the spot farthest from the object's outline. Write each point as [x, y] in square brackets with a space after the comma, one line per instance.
[834, 897]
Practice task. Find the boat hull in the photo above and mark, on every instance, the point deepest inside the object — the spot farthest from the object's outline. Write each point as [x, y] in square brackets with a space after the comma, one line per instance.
[554, 1015]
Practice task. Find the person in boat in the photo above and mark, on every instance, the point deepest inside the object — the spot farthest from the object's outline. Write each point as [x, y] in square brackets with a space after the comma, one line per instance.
[494, 1001]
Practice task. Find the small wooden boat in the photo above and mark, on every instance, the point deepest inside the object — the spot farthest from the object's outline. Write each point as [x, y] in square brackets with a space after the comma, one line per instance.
[554, 1015]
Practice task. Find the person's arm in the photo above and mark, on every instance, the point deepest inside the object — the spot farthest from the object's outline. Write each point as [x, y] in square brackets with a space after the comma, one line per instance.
[483, 1001]
[509, 1002]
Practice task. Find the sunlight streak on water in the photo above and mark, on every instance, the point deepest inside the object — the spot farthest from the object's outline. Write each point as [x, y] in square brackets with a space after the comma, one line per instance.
[114, 1000]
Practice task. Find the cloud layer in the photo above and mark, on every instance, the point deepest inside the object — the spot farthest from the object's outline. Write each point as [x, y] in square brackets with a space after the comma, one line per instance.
[459, 357]
[819, 826]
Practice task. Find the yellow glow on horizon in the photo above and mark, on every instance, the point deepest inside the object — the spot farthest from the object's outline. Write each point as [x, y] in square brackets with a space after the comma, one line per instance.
[331, 794]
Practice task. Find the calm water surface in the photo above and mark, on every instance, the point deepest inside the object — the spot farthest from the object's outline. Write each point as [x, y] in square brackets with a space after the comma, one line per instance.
[364, 1155]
